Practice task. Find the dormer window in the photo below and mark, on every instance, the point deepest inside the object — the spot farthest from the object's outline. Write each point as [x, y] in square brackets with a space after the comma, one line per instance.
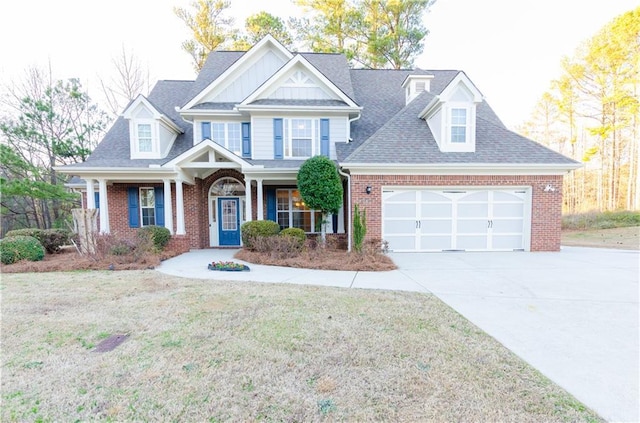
[145, 140]
[458, 126]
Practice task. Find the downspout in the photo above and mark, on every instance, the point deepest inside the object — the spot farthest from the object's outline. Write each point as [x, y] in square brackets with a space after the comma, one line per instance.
[348, 225]
[350, 121]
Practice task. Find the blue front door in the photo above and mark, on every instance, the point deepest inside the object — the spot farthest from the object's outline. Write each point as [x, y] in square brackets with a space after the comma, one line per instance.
[229, 221]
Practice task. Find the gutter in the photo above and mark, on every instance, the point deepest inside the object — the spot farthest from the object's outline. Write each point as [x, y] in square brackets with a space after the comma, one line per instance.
[348, 225]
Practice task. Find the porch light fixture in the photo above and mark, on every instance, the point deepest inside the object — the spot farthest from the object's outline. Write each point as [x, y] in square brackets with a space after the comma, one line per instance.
[549, 188]
[368, 190]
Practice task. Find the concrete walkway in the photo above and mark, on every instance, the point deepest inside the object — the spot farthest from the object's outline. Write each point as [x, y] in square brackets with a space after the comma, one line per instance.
[573, 315]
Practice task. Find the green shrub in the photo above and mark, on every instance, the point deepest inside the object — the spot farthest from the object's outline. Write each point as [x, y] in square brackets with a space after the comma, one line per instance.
[257, 229]
[295, 233]
[20, 247]
[158, 234]
[359, 228]
[51, 239]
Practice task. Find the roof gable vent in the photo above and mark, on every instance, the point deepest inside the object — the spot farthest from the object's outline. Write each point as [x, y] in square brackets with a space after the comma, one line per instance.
[414, 85]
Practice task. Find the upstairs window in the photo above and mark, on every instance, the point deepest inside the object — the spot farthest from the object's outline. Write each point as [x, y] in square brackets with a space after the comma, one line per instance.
[301, 141]
[145, 140]
[458, 125]
[228, 135]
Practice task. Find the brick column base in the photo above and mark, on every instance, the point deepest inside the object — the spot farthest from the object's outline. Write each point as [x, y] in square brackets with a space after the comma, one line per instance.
[179, 243]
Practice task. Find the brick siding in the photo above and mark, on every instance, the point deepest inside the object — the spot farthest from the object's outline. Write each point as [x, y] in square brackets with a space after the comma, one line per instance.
[546, 208]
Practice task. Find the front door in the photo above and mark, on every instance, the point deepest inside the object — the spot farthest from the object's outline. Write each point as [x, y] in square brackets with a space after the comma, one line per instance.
[229, 221]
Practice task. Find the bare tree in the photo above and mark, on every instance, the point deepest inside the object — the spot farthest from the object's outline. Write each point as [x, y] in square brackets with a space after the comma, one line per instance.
[127, 81]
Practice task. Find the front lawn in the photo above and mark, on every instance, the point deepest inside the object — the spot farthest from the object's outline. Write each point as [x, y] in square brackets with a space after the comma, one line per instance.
[202, 350]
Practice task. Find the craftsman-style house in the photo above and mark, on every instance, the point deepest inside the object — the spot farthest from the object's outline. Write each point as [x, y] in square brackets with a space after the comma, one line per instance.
[420, 150]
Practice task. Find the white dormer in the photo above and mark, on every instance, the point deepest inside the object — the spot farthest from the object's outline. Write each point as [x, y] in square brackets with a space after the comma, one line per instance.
[414, 85]
[151, 133]
[451, 116]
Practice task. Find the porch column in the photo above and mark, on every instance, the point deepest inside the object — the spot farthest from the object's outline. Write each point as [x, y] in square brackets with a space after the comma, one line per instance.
[260, 200]
[179, 209]
[168, 207]
[91, 198]
[341, 220]
[104, 206]
[247, 200]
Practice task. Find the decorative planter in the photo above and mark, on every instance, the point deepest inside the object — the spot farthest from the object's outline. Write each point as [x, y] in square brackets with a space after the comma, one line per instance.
[228, 267]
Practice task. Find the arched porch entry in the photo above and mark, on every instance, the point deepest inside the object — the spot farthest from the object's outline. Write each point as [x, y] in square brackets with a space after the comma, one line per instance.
[226, 201]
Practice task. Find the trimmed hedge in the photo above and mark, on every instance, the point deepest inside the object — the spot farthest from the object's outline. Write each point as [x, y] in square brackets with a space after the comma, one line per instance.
[258, 228]
[51, 239]
[20, 247]
[295, 233]
[158, 234]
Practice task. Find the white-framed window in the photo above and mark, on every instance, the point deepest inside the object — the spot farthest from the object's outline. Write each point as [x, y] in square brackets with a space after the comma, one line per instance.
[228, 135]
[458, 124]
[147, 207]
[145, 138]
[301, 138]
[291, 212]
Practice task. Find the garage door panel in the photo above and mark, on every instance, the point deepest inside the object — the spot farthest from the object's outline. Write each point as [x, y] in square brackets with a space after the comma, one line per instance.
[436, 226]
[473, 210]
[434, 196]
[508, 196]
[476, 196]
[400, 227]
[393, 196]
[400, 242]
[471, 242]
[472, 226]
[508, 226]
[435, 242]
[507, 242]
[393, 210]
[435, 211]
[508, 210]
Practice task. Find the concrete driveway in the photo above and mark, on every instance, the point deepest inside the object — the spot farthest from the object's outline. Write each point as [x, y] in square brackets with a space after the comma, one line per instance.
[573, 315]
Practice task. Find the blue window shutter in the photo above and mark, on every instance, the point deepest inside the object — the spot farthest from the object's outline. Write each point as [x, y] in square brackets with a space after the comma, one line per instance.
[159, 194]
[246, 140]
[277, 139]
[134, 214]
[96, 195]
[206, 130]
[271, 204]
[325, 148]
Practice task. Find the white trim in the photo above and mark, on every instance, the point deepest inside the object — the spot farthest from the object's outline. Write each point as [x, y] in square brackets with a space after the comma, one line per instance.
[458, 169]
[185, 158]
[157, 115]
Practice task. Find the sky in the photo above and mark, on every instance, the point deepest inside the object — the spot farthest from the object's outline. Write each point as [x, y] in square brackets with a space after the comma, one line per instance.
[511, 49]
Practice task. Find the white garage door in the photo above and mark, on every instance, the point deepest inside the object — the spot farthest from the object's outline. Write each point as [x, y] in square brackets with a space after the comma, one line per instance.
[456, 219]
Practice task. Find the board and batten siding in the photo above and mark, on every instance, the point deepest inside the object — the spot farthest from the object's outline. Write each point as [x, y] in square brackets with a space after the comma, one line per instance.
[262, 135]
[249, 80]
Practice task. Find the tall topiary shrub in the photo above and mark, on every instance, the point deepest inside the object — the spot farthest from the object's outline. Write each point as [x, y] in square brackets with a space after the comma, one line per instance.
[320, 187]
[359, 228]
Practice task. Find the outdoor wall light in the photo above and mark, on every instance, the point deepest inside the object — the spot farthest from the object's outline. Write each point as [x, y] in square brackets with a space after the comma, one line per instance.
[368, 190]
[549, 188]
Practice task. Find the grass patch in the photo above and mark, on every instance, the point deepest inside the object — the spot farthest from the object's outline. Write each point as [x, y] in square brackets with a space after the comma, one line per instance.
[601, 220]
[220, 351]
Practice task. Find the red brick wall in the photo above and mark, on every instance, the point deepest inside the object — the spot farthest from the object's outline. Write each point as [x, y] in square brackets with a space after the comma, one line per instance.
[546, 211]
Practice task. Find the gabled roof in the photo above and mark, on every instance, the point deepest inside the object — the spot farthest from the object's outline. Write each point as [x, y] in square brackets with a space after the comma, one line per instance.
[268, 42]
[157, 114]
[495, 144]
[297, 61]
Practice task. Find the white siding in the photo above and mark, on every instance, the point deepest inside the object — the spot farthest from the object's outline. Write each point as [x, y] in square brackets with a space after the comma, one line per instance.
[142, 112]
[166, 138]
[300, 93]
[337, 133]
[248, 80]
[262, 138]
[435, 124]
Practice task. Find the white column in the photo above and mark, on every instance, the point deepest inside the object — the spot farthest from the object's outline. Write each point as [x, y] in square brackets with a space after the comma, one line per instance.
[341, 220]
[247, 199]
[179, 209]
[329, 224]
[260, 200]
[91, 198]
[104, 206]
[168, 207]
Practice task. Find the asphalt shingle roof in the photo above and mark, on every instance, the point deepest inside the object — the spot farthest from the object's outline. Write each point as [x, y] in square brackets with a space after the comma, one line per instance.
[388, 131]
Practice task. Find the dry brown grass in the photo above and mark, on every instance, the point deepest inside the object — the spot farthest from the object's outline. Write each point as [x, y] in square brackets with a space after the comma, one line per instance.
[627, 238]
[220, 351]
